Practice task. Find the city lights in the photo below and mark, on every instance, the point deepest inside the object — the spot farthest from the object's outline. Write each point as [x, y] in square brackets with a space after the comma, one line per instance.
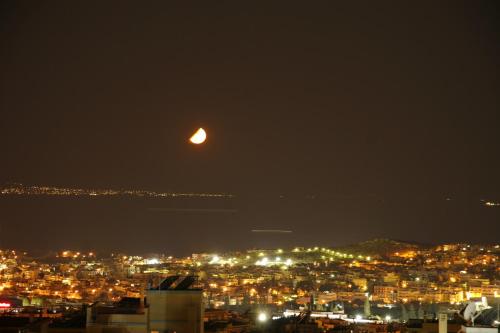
[20, 189]
[246, 276]
[215, 259]
[152, 261]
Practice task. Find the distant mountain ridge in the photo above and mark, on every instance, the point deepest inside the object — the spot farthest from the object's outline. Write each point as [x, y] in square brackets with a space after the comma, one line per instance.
[380, 246]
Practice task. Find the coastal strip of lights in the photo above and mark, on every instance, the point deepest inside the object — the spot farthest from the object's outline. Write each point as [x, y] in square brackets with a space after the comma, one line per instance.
[20, 189]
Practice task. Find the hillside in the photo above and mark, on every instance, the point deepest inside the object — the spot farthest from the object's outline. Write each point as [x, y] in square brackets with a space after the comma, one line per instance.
[379, 246]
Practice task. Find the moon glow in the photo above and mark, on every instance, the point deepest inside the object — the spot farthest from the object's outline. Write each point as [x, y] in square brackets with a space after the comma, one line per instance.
[198, 137]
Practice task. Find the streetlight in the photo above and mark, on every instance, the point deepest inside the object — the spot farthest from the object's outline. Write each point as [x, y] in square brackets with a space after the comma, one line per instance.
[262, 317]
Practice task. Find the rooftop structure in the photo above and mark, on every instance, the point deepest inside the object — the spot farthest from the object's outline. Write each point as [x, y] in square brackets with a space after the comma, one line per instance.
[175, 305]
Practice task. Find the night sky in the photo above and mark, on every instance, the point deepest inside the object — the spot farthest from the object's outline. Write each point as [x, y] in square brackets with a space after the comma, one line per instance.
[340, 121]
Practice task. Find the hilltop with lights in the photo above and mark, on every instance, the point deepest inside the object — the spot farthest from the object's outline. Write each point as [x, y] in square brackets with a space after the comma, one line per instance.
[382, 247]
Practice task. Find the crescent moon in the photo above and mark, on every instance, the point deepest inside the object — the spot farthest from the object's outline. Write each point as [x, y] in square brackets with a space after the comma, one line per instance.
[198, 137]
